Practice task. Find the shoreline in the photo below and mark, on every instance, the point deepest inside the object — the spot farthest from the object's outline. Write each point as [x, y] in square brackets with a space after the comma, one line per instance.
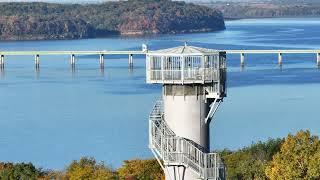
[123, 35]
[280, 17]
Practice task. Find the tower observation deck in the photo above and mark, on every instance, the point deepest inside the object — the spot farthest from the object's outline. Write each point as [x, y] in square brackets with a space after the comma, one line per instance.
[194, 85]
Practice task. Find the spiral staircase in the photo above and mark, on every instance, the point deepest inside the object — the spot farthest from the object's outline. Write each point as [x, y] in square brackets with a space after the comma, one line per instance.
[172, 150]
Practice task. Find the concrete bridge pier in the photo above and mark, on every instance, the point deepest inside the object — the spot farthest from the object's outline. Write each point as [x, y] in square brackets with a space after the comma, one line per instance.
[37, 61]
[2, 61]
[73, 60]
[2, 73]
[37, 72]
[280, 59]
[242, 59]
[130, 61]
[101, 61]
[102, 72]
[242, 68]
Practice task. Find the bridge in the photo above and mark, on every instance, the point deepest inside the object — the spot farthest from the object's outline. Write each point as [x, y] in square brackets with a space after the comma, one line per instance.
[278, 52]
[144, 51]
[72, 54]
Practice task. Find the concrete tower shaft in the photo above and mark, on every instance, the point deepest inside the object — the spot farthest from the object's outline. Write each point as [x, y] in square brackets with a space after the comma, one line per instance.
[186, 109]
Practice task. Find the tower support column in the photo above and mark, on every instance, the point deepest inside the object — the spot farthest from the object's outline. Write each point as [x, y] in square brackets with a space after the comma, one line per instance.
[192, 112]
[188, 121]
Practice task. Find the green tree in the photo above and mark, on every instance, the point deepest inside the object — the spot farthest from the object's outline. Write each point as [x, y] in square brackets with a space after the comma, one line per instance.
[250, 162]
[299, 158]
[20, 171]
[88, 168]
[141, 170]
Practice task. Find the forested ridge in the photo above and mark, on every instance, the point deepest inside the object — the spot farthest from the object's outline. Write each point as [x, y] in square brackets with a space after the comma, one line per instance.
[268, 9]
[20, 20]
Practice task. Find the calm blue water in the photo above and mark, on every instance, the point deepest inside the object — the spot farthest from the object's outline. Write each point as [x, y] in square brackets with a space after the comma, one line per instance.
[56, 115]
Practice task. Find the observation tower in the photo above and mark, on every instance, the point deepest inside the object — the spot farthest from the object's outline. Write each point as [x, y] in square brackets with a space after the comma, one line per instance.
[193, 86]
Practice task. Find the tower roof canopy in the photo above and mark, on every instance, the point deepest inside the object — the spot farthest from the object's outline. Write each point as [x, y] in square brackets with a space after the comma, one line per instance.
[185, 50]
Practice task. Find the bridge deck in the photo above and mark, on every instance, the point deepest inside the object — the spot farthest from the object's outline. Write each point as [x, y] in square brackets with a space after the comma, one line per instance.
[20, 53]
[242, 53]
[284, 51]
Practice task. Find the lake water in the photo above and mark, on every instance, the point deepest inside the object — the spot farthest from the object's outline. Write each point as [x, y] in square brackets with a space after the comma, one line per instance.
[56, 115]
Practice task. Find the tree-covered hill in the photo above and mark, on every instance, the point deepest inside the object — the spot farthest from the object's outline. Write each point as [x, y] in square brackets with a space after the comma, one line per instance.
[268, 9]
[68, 21]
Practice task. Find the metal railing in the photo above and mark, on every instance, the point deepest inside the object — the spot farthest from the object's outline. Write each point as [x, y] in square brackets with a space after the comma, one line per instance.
[174, 150]
[186, 75]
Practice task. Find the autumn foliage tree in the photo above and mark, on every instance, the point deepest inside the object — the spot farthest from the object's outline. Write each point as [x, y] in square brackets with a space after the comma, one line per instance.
[295, 157]
[141, 170]
[38, 20]
[299, 158]
[88, 168]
